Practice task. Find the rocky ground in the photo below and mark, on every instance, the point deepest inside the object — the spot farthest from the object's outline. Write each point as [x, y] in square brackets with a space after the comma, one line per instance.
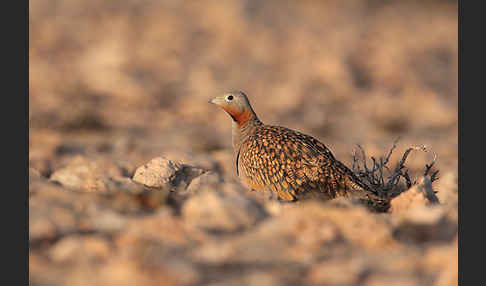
[131, 178]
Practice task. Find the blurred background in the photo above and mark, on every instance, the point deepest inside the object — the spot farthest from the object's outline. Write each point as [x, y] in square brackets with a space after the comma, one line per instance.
[128, 80]
[132, 78]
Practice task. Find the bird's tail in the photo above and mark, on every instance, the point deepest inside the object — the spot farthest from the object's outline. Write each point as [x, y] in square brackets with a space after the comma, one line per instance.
[363, 191]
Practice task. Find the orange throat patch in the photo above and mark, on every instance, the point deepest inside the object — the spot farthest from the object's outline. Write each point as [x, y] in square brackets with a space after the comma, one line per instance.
[241, 117]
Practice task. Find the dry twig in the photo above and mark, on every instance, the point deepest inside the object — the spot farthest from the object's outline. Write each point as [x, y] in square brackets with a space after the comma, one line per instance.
[380, 176]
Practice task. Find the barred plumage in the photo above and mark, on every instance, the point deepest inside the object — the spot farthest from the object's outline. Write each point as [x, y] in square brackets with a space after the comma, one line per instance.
[289, 163]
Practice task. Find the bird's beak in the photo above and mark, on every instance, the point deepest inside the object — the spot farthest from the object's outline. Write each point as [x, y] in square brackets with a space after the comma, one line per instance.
[219, 100]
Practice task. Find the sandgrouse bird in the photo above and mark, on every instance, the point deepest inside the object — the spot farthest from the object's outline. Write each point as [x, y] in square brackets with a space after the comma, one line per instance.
[288, 163]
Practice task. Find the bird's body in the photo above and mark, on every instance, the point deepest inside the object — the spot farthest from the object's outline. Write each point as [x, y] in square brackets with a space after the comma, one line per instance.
[288, 163]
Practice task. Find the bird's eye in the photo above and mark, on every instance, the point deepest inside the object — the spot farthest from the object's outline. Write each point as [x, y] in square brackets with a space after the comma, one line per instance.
[230, 97]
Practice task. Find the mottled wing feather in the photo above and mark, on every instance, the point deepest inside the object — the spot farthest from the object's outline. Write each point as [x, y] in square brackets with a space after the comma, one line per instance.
[294, 165]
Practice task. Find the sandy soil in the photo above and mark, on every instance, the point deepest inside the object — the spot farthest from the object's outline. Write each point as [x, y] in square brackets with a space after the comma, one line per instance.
[114, 84]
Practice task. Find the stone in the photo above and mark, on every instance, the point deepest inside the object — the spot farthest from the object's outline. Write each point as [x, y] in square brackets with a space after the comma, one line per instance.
[419, 195]
[425, 224]
[55, 212]
[302, 233]
[80, 248]
[337, 272]
[163, 174]
[102, 176]
[203, 181]
[34, 174]
[158, 173]
[226, 208]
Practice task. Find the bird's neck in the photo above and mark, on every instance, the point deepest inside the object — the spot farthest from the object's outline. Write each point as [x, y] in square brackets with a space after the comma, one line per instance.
[242, 126]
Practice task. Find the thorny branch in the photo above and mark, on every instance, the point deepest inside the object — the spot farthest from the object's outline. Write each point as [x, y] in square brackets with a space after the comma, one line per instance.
[381, 178]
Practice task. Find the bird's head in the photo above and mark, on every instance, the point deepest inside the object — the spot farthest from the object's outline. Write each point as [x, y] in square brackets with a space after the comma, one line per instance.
[237, 105]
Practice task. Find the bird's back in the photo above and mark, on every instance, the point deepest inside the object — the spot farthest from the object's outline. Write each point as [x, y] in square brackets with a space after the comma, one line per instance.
[295, 166]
